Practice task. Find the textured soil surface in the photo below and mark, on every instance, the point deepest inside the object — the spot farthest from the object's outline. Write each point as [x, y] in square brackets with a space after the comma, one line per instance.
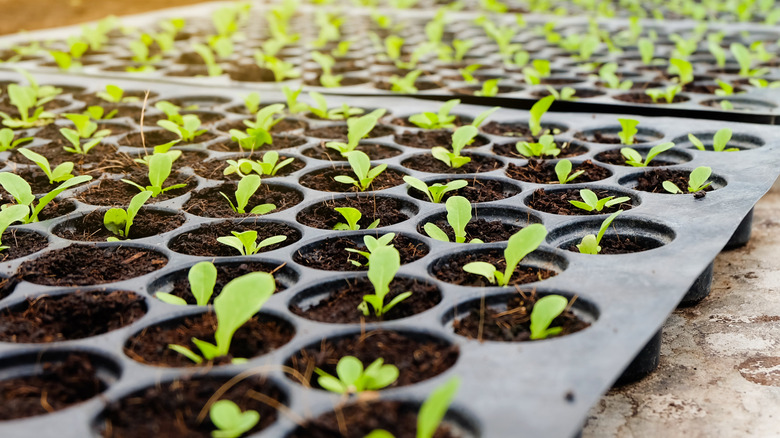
[451, 270]
[323, 215]
[203, 242]
[332, 254]
[557, 202]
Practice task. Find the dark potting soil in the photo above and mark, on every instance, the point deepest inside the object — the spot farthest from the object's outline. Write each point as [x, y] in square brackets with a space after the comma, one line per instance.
[279, 142]
[283, 126]
[567, 150]
[345, 82]
[340, 304]
[374, 152]
[146, 223]
[7, 286]
[427, 139]
[250, 73]
[202, 241]
[156, 137]
[511, 324]
[323, 216]
[22, 243]
[459, 121]
[171, 409]
[622, 244]
[478, 190]
[541, 172]
[652, 181]
[91, 99]
[519, 130]
[339, 132]
[206, 118]
[616, 158]
[420, 85]
[61, 384]
[11, 110]
[324, 179]
[487, 231]
[332, 254]
[557, 202]
[114, 192]
[71, 316]
[209, 202]
[52, 132]
[84, 265]
[451, 269]
[39, 182]
[644, 98]
[260, 335]
[54, 209]
[604, 137]
[214, 169]
[417, 357]
[57, 155]
[359, 419]
[427, 163]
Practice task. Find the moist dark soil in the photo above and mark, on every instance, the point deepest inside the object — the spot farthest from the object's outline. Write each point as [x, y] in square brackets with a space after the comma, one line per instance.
[6, 107]
[114, 192]
[625, 244]
[544, 173]
[260, 335]
[250, 73]
[91, 99]
[214, 169]
[156, 137]
[478, 190]
[417, 357]
[52, 210]
[210, 203]
[283, 126]
[170, 409]
[519, 130]
[615, 157]
[389, 211]
[511, 324]
[22, 243]
[487, 231]
[339, 306]
[557, 202]
[567, 150]
[57, 155]
[581, 93]
[146, 223]
[644, 98]
[427, 163]
[279, 142]
[84, 265]
[332, 254]
[225, 273]
[374, 152]
[203, 242]
[52, 132]
[39, 182]
[339, 132]
[502, 89]
[324, 179]
[427, 139]
[359, 419]
[206, 118]
[459, 121]
[7, 286]
[72, 316]
[605, 137]
[420, 85]
[653, 180]
[451, 269]
[61, 384]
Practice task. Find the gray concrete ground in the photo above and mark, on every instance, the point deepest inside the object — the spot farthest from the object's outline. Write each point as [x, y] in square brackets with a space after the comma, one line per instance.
[719, 374]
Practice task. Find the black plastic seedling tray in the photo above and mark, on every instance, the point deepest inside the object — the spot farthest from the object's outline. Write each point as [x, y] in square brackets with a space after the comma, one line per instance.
[537, 389]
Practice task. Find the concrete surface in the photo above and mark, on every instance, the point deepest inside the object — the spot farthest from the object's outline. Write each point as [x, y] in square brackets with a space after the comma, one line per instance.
[719, 374]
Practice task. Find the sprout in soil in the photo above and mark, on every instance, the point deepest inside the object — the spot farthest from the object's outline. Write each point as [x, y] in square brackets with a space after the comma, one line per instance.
[697, 181]
[244, 191]
[563, 172]
[565, 93]
[683, 69]
[462, 137]
[745, 60]
[293, 106]
[259, 131]
[246, 242]
[22, 193]
[405, 85]
[85, 130]
[25, 98]
[608, 75]
[59, 174]
[468, 72]
[96, 112]
[590, 243]
[763, 83]
[539, 68]
[9, 215]
[357, 129]
[238, 302]
[489, 88]
[482, 117]
[252, 102]
[202, 278]
[161, 149]
[7, 141]
[435, 192]
[230, 421]
[385, 263]
[212, 67]
[353, 379]
[159, 169]
[719, 141]
[326, 62]
[281, 70]
[592, 202]
[372, 243]
[352, 216]
[628, 132]
[667, 94]
[268, 165]
[361, 166]
[545, 310]
[187, 130]
[646, 50]
[536, 112]
[118, 221]
[321, 109]
[70, 60]
[633, 158]
[545, 147]
[435, 407]
[519, 245]
[458, 216]
[439, 120]
[171, 111]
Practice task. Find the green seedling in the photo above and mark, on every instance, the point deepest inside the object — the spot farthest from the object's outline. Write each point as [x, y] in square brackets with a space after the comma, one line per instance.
[385, 263]
[468, 72]
[545, 310]
[99, 113]
[340, 113]
[118, 221]
[761, 83]
[634, 158]
[171, 111]
[717, 52]
[161, 149]
[539, 68]
[353, 379]
[719, 141]
[115, 94]
[483, 116]
[25, 98]
[405, 85]
[545, 147]
[668, 94]
[435, 407]
[9, 215]
[519, 245]
[591, 202]
[608, 75]
[745, 60]
[372, 243]
[252, 102]
[202, 278]
[268, 165]
[563, 172]
[564, 94]
[458, 216]
[281, 70]
[293, 106]
[590, 243]
[160, 166]
[628, 132]
[187, 131]
[352, 216]
[238, 302]
[537, 111]
[85, 129]
[439, 120]
[204, 51]
[697, 181]
[489, 88]
[244, 191]
[646, 50]
[326, 63]
[59, 174]
[461, 48]
[357, 129]
[462, 137]
[22, 193]
[246, 242]
[361, 166]
[435, 192]
[259, 130]
[7, 141]
[230, 421]
[683, 69]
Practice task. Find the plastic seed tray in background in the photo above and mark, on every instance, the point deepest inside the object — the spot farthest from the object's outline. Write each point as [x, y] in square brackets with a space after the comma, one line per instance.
[542, 388]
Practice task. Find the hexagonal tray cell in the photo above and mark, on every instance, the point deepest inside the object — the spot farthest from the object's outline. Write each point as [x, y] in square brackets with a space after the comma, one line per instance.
[557, 200]
[477, 190]
[543, 172]
[488, 224]
[609, 135]
[567, 149]
[670, 157]
[741, 141]
[148, 222]
[652, 181]
[21, 243]
[331, 254]
[209, 202]
[625, 235]
[324, 179]
[202, 241]
[388, 210]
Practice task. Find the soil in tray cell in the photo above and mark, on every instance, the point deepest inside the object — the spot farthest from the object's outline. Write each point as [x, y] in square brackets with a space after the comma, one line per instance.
[279, 142]
[215, 169]
[541, 172]
[324, 179]
[332, 255]
[147, 222]
[451, 269]
[521, 130]
[557, 202]
[389, 211]
[283, 126]
[653, 180]
[484, 230]
[427, 139]
[459, 121]
[610, 136]
[478, 190]
[374, 152]
[616, 158]
[622, 244]
[7, 286]
[210, 203]
[54, 209]
[21, 243]
[339, 132]
[427, 163]
[567, 150]
[57, 155]
[116, 193]
[202, 241]
[155, 137]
